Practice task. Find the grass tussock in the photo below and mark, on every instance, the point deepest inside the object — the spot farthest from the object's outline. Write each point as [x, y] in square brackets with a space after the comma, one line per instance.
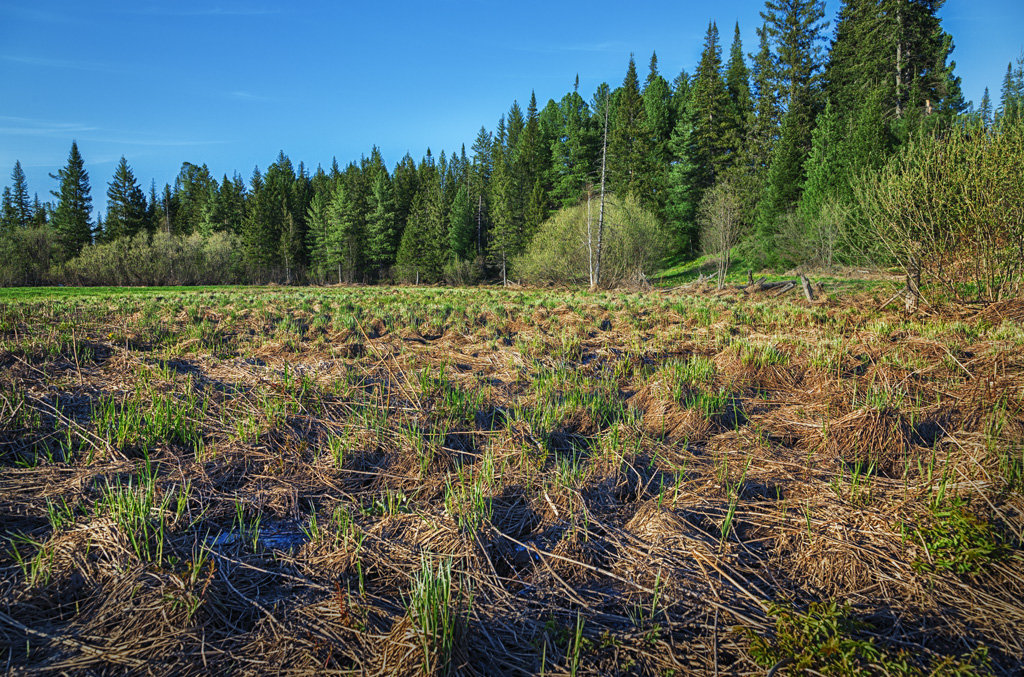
[490, 481]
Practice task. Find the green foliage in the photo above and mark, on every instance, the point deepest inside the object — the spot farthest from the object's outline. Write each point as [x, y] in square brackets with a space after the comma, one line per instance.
[828, 640]
[950, 209]
[634, 242]
[126, 205]
[957, 541]
[20, 205]
[72, 220]
[161, 260]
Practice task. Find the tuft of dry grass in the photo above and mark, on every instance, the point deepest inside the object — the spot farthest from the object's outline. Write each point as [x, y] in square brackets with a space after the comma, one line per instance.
[508, 481]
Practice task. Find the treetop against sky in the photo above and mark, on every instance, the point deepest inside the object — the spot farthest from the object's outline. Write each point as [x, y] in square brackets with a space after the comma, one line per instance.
[233, 83]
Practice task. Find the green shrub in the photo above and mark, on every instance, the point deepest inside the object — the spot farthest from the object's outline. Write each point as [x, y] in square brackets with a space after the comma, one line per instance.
[634, 241]
[160, 259]
[950, 209]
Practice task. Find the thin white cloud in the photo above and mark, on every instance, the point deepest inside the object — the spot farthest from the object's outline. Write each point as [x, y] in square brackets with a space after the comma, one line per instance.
[16, 126]
[62, 64]
[19, 126]
[206, 11]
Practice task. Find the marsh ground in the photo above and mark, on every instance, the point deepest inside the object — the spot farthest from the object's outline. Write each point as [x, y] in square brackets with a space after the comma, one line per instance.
[484, 481]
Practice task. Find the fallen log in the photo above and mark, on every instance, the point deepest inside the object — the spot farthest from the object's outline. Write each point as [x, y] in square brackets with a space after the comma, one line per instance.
[808, 291]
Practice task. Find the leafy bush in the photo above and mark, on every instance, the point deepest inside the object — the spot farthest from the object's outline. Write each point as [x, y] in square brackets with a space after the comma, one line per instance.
[634, 241]
[162, 259]
[950, 209]
[26, 254]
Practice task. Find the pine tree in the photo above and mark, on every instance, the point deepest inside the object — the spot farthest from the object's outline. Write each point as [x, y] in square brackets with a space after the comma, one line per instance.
[795, 27]
[71, 219]
[19, 196]
[658, 124]
[8, 215]
[764, 128]
[506, 237]
[126, 204]
[1011, 101]
[895, 51]
[381, 228]
[985, 110]
[574, 150]
[461, 231]
[628, 147]
[737, 84]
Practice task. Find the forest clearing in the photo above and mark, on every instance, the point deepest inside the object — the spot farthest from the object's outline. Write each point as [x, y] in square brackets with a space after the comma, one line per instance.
[504, 481]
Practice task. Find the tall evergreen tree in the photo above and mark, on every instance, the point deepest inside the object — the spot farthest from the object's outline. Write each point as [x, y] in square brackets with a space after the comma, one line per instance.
[506, 237]
[72, 217]
[345, 232]
[8, 215]
[795, 27]
[658, 124]
[381, 227]
[227, 210]
[764, 128]
[985, 109]
[895, 51]
[194, 191]
[1011, 100]
[479, 180]
[574, 150]
[461, 231]
[19, 196]
[318, 231]
[628, 147]
[737, 84]
[126, 204]
[40, 215]
[704, 139]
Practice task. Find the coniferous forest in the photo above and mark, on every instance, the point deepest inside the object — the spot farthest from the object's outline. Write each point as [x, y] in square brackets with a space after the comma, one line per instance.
[802, 149]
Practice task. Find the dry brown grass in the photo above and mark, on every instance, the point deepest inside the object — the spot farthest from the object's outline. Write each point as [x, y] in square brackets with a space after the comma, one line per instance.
[302, 458]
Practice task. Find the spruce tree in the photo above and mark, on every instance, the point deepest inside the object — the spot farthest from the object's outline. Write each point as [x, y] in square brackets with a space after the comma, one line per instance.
[737, 84]
[985, 110]
[506, 231]
[479, 180]
[795, 28]
[40, 216]
[461, 233]
[573, 152]
[72, 217]
[345, 234]
[764, 127]
[381, 228]
[658, 124]
[705, 138]
[1011, 100]
[126, 204]
[628, 147]
[8, 215]
[318, 231]
[895, 51]
[19, 196]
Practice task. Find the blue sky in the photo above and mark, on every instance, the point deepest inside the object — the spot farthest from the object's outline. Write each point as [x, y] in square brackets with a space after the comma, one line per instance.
[231, 83]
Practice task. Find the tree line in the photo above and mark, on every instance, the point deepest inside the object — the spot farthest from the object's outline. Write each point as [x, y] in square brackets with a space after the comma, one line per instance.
[784, 133]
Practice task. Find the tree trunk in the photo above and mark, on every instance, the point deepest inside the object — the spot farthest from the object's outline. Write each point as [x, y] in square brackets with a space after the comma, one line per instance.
[600, 218]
